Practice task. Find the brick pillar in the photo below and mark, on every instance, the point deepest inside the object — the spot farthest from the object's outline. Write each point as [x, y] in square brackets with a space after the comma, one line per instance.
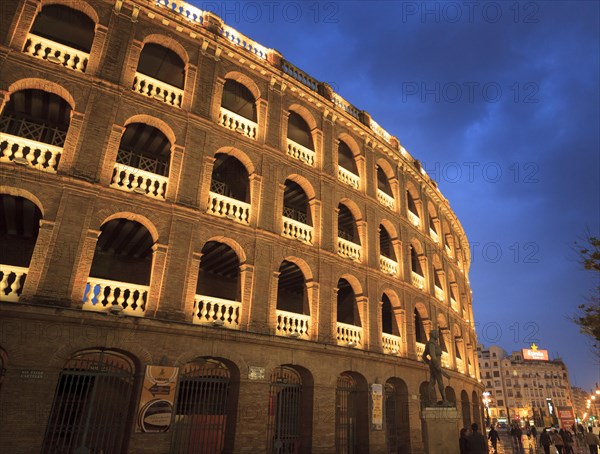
[209, 163]
[362, 303]
[262, 110]
[68, 156]
[365, 185]
[330, 336]
[377, 327]
[246, 288]
[97, 50]
[426, 271]
[84, 266]
[259, 316]
[400, 315]
[191, 72]
[315, 210]
[397, 248]
[159, 263]
[190, 287]
[110, 154]
[312, 290]
[461, 349]
[449, 346]
[329, 152]
[255, 198]
[272, 303]
[317, 136]
[131, 63]
[217, 96]
[361, 226]
[274, 220]
[395, 187]
[175, 169]
[4, 97]
[22, 23]
[38, 259]
[410, 340]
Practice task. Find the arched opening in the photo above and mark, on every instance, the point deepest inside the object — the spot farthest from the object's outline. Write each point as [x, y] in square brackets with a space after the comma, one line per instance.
[388, 319]
[218, 290]
[351, 414]
[160, 74]
[61, 35]
[347, 168]
[206, 408]
[289, 425]
[417, 274]
[291, 289]
[413, 211]
[450, 395]
[239, 100]
[384, 190]
[92, 404]
[229, 189]
[143, 161]
[38, 116]
[299, 131]
[347, 309]
[121, 268]
[386, 249]
[477, 415]
[397, 417]
[465, 409]
[297, 219]
[420, 335]
[19, 227]
[347, 225]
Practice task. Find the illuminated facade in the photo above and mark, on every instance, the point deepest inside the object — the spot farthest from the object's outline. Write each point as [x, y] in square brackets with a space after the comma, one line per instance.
[176, 195]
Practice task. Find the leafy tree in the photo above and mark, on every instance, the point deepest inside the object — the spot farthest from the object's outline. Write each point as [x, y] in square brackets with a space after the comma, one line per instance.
[588, 317]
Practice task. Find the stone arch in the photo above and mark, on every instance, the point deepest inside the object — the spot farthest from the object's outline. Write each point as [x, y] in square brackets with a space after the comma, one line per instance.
[386, 167]
[234, 245]
[304, 267]
[352, 144]
[155, 122]
[417, 245]
[306, 185]
[82, 7]
[43, 85]
[465, 408]
[441, 321]
[391, 229]
[246, 81]
[306, 115]
[136, 353]
[392, 296]
[353, 207]
[170, 44]
[354, 283]
[134, 217]
[240, 156]
[422, 310]
[18, 192]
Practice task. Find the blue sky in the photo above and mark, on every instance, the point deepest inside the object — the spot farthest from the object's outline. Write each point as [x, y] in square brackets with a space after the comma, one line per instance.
[500, 101]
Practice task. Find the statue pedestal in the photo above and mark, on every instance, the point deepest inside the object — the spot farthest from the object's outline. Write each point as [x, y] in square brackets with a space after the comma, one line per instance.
[441, 430]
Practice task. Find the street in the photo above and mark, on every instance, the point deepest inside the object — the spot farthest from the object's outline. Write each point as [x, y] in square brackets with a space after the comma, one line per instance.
[506, 446]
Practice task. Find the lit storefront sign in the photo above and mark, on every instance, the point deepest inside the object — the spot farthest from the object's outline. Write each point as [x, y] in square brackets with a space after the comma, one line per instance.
[534, 354]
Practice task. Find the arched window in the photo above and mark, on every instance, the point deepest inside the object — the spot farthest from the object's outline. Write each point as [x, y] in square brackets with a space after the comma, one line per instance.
[439, 287]
[384, 190]
[351, 414]
[349, 331]
[397, 418]
[388, 320]
[420, 335]
[92, 403]
[229, 189]
[433, 225]
[348, 238]
[413, 211]
[386, 248]
[417, 274]
[297, 219]
[238, 109]
[300, 143]
[293, 312]
[347, 168]
[465, 410]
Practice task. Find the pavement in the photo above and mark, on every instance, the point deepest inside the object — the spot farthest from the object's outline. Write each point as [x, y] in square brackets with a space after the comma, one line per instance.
[506, 446]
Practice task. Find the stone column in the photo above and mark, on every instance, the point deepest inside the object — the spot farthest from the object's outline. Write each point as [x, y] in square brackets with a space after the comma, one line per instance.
[175, 169]
[246, 289]
[22, 23]
[315, 210]
[159, 263]
[262, 110]
[190, 287]
[37, 263]
[255, 198]
[84, 266]
[131, 62]
[97, 50]
[362, 303]
[69, 153]
[189, 87]
[110, 154]
[203, 196]
[312, 290]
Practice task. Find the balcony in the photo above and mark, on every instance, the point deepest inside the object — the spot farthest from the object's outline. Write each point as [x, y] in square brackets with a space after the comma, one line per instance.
[226, 207]
[348, 249]
[460, 365]
[237, 123]
[390, 343]
[420, 350]
[156, 89]
[348, 178]
[300, 153]
[12, 281]
[349, 335]
[388, 266]
[434, 236]
[297, 230]
[131, 179]
[293, 325]
[417, 280]
[209, 310]
[439, 293]
[454, 305]
[38, 155]
[57, 53]
[414, 219]
[102, 295]
[386, 200]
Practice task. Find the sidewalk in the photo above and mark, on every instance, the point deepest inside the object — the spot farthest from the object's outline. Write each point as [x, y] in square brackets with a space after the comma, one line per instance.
[505, 446]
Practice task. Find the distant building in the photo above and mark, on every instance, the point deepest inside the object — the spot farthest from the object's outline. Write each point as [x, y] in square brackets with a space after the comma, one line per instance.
[525, 386]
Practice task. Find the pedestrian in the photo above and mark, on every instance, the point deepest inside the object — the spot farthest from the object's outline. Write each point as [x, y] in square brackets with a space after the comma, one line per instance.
[477, 442]
[494, 437]
[591, 439]
[558, 441]
[568, 440]
[534, 434]
[519, 436]
[463, 441]
[545, 441]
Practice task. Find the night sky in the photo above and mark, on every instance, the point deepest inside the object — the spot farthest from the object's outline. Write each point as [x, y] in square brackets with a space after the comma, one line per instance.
[500, 101]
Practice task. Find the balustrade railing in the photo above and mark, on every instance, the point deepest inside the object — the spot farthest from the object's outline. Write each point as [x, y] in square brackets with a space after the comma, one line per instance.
[414, 219]
[385, 199]
[11, 282]
[216, 311]
[299, 75]
[237, 123]
[189, 12]
[130, 179]
[347, 177]
[41, 156]
[349, 335]
[378, 130]
[297, 230]
[300, 153]
[349, 249]
[344, 105]
[445, 360]
[292, 324]
[35, 131]
[460, 365]
[420, 350]
[102, 295]
[226, 207]
[243, 41]
[434, 236]
[46, 49]
[454, 305]
[388, 266]
[417, 280]
[157, 89]
[390, 343]
[439, 293]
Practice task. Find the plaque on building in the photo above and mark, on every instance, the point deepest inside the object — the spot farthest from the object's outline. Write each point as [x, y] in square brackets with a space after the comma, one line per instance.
[256, 373]
[377, 406]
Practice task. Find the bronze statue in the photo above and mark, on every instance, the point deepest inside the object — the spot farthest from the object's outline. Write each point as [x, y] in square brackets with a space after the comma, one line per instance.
[433, 350]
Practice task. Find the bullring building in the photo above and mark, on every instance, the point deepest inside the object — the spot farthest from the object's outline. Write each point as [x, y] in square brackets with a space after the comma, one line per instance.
[206, 250]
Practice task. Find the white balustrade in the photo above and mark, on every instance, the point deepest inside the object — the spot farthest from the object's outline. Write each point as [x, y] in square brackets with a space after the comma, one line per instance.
[439, 293]
[347, 334]
[11, 282]
[454, 305]
[460, 365]
[349, 249]
[464, 314]
[102, 295]
[237, 123]
[46, 49]
[414, 219]
[445, 360]
[420, 350]
[380, 131]
[157, 89]
[216, 311]
[448, 250]
[297, 230]
[347, 177]
[187, 11]
[434, 236]
[130, 179]
[226, 207]
[388, 266]
[292, 324]
[39, 155]
[386, 200]
[297, 151]
[417, 280]
[390, 343]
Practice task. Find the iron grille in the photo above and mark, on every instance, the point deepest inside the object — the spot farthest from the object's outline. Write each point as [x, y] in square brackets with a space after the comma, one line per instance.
[91, 403]
[27, 129]
[201, 412]
[345, 415]
[295, 215]
[285, 396]
[391, 424]
[139, 161]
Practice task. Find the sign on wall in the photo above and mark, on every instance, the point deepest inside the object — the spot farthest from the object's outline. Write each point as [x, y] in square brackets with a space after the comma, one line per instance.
[377, 406]
[566, 417]
[156, 401]
[534, 354]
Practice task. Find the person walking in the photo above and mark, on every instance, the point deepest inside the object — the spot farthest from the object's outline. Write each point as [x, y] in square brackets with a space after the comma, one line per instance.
[545, 441]
[558, 441]
[568, 441]
[494, 437]
[477, 442]
[463, 441]
[534, 435]
[591, 439]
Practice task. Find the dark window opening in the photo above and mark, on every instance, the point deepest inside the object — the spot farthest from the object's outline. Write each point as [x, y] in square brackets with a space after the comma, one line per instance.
[295, 203]
[146, 148]
[347, 309]
[238, 99]
[291, 289]
[65, 25]
[219, 274]
[230, 178]
[299, 132]
[385, 244]
[162, 64]
[382, 182]
[346, 158]
[347, 225]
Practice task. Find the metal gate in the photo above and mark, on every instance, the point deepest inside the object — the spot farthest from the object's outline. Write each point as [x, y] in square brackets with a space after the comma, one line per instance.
[201, 418]
[391, 424]
[285, 397]
[91, 404]
[345, 415]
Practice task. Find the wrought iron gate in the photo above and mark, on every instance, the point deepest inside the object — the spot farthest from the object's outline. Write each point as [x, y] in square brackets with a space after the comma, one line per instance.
[345, 415]
[391, 419]
[201, 415]
[91, 404]
[285, 397]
